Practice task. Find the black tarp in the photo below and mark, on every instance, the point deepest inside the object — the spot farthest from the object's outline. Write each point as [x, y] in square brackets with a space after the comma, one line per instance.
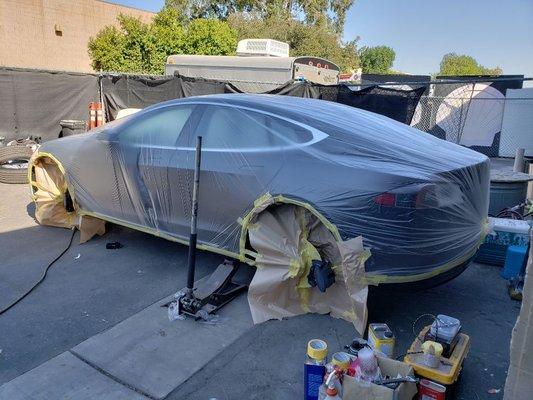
[137, 92]
[131, 91]
[393, 103]
[32, 102]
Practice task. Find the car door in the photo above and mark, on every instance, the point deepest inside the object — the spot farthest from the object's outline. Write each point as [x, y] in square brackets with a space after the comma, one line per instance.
[243, 151]
[147, 158]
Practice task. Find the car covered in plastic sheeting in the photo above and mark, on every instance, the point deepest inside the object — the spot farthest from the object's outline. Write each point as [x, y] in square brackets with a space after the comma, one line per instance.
[419, 202]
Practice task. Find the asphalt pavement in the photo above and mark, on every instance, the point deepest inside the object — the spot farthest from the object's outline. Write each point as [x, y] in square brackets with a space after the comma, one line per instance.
[92, 295]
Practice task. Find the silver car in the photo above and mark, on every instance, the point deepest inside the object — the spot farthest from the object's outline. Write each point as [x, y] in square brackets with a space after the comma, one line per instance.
[419, 202]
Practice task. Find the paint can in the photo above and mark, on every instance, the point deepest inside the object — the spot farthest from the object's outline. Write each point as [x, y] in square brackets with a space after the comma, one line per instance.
[381, 339]
[429, 390]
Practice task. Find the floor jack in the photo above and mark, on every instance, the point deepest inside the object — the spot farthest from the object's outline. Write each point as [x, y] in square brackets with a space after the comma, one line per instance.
[223, 285]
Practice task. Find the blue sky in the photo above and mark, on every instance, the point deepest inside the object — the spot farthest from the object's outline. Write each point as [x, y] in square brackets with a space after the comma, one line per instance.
[495, 32]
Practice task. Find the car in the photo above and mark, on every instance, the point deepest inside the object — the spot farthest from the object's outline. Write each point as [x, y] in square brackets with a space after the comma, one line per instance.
[420, 203]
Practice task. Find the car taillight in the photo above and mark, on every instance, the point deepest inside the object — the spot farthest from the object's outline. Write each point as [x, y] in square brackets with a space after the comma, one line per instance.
[385, 199]
[411, 196]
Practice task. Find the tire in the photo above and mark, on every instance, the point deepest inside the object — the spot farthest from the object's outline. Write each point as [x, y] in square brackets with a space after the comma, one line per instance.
[14, 153]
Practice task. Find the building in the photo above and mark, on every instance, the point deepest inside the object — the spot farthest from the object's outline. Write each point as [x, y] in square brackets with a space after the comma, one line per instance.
[53, 34]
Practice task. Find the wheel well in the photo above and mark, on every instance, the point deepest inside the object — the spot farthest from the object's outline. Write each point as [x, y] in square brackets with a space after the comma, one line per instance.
[321, 233]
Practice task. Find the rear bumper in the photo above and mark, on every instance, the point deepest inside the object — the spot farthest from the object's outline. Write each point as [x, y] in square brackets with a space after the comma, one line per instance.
[430, 282]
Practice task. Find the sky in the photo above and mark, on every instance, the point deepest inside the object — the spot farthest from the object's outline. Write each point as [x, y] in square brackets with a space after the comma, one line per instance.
[494, 32]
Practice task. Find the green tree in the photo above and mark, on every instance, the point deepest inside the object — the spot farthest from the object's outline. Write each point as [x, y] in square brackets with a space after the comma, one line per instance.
[139, 47]
[377, 60]
[460, 64]
[303, 39]
[210, 37]
[330, 13]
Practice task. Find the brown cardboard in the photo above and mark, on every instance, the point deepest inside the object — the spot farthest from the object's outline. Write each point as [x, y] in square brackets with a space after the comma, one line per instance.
[287, 239]
[354, 389]
[519, 383]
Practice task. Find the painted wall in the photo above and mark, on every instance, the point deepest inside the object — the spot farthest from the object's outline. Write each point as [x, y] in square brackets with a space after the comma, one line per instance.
[53, 34]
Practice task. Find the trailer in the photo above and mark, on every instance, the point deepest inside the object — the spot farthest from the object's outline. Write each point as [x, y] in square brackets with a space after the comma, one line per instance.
[258, 73]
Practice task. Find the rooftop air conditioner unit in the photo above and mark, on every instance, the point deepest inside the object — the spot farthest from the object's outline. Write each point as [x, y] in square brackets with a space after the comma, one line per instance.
[262, 47]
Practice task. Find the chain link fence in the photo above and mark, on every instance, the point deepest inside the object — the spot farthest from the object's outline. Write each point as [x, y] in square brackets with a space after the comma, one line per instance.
[491, 119]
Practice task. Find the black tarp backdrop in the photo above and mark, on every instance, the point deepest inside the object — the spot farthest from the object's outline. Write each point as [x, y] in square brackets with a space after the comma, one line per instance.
[130, 91]
[485, 110]
[32, 102]
[137, 92]
[396, 104]
[421, 80]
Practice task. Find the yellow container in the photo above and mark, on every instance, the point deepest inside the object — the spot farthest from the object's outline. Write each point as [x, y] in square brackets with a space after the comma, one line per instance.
[448, 370]
[381, 338]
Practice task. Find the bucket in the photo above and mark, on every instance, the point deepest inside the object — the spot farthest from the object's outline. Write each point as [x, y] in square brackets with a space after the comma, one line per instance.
[506, 194]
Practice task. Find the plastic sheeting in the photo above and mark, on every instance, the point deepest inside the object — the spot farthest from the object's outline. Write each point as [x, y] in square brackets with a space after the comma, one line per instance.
[48, 187]
[32, 102]
[419, 203]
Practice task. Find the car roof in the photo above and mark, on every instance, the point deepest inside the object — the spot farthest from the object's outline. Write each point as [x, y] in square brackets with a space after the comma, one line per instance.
[285, 105]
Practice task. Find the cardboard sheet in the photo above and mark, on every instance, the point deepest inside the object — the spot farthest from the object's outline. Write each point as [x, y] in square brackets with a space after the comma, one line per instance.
[287, 238]
[356, 390]
[519, 383]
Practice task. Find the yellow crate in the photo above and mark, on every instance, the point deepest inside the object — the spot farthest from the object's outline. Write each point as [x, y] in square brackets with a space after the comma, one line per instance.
[449, 369]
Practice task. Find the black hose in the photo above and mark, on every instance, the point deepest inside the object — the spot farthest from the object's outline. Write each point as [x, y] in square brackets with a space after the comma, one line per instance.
[43, 276]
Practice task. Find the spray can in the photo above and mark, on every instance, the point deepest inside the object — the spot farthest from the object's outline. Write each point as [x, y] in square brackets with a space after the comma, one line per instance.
[381, 338]
[314, 368]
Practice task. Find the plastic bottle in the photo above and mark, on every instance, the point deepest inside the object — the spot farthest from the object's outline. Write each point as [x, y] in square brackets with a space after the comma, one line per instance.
[331, 391]
[314, 368]
[330, 368]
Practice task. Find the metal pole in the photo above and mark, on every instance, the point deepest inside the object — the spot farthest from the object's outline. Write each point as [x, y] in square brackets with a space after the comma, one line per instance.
[519, 161]
[194, 217]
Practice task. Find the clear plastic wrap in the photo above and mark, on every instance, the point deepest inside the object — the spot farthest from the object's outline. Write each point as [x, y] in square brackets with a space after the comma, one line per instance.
[420, 203]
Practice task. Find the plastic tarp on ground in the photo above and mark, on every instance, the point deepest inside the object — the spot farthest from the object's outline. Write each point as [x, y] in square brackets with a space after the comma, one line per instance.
[32, 102]
[419, 203]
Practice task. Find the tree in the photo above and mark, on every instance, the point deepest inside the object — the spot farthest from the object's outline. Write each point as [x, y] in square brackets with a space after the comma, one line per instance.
[377, 60]
[303, 39]
[210, 37]
[143, 48]
[329, 13]
[460, 64]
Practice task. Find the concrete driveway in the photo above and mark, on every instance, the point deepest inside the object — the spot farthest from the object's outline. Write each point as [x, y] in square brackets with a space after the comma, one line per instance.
[95, 328]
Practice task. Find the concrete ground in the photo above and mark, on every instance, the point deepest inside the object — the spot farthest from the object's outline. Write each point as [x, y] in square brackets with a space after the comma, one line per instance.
[98, 316]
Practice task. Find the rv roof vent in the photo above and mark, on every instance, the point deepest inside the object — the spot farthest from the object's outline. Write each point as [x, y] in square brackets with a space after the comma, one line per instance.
[262, 47]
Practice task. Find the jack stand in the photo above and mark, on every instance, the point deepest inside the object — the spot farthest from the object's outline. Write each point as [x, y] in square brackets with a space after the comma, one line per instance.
[219, 289]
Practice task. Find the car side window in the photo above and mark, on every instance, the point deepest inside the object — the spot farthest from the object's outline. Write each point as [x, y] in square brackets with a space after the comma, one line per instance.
[235, 128]
[161, 128]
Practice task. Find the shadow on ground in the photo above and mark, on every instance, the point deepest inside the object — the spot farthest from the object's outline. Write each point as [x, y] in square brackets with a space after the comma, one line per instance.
[89, 290]
[267, 361]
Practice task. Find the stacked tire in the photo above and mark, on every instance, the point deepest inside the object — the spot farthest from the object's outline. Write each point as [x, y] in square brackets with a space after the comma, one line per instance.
[14, 161]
